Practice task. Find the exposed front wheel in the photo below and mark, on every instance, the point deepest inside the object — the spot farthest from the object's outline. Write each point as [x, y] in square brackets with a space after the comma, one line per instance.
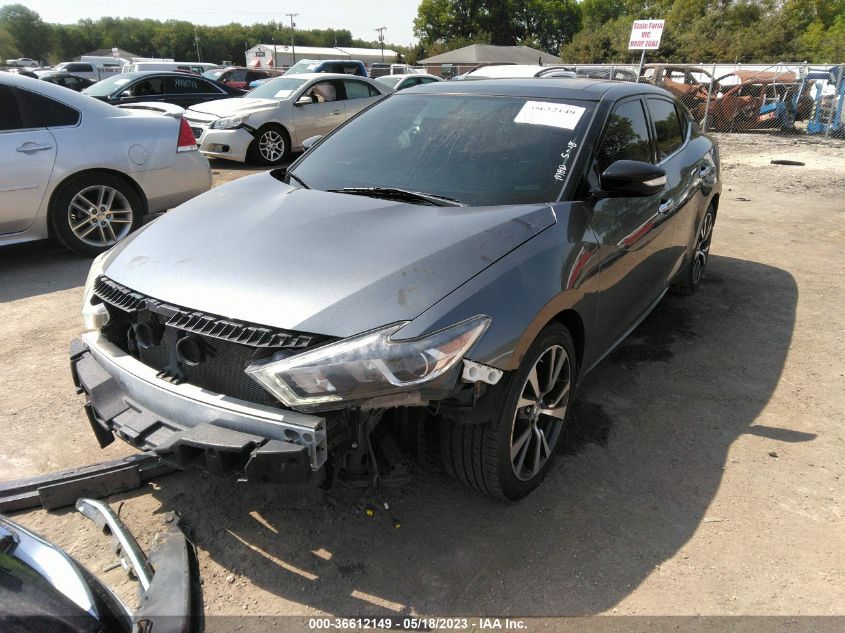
[93, 212]
[508, 456]
[270, 146]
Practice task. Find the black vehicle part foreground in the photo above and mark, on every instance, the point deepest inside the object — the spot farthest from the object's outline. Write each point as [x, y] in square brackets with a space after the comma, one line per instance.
[44, 589]
[63, 488]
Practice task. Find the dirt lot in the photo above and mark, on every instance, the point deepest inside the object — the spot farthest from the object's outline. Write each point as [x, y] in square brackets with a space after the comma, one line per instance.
[702, 474]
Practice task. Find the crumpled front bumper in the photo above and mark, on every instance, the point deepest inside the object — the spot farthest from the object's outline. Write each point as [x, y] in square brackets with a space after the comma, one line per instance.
[188, 427]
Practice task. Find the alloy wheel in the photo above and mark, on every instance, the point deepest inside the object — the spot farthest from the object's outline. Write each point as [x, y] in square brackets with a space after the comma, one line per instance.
[540, 412]
[100, 216]
[702, 246]
[271, 146]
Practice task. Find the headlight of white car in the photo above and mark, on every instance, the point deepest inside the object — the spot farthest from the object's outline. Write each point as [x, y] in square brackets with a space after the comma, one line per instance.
[94, 315]
[367, 365]
[229, 122]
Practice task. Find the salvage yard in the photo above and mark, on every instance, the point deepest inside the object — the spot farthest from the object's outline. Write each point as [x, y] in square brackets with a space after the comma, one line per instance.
[702, 472]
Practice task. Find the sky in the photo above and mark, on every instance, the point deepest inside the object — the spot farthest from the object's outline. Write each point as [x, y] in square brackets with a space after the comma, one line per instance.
[361, 18]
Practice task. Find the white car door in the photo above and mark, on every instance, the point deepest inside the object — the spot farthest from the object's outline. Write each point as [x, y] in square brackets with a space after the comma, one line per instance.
[323, 114]
[27, 155]
[359, 94]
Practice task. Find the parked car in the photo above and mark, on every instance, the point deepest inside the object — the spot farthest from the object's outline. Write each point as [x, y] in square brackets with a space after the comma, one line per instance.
[142, 65]
[400, 82]
[275, 118]
[179, 89]
[44, 589]
[22, 62]
[90, 70]
[494, 71]
[236, 76]
[338, 66]
[74, 82]
[470, 254]
[84, 172]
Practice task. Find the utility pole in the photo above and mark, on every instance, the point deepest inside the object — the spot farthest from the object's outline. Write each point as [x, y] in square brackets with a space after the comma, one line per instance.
[197, 42]
[292, 43]
[381, 31]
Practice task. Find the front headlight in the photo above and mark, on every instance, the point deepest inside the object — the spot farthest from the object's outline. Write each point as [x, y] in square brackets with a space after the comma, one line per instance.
[367, 365]
[229, 122]
[94, 315]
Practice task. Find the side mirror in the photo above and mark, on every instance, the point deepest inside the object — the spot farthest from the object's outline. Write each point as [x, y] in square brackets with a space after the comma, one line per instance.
[303, 100]
[309, 142]
[632, 178]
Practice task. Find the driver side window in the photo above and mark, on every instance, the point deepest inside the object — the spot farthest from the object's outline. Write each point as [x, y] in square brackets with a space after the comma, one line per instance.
[625, 136]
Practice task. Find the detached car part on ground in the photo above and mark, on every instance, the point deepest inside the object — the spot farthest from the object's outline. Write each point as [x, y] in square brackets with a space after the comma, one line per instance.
[84, 172]
[43, 589]
[455, 259]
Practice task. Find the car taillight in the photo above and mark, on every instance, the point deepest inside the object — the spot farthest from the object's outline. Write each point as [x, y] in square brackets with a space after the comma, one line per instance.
[187, 142]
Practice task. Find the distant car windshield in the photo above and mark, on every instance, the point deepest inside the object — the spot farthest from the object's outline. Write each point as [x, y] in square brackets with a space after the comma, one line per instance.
[390, 80]
[477, 149]
[279, 88]
[107, 86]
[214, 73]
[303, 66]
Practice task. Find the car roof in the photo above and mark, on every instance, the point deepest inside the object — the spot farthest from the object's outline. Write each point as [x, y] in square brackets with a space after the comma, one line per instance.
[162, 73]
[544, 87]
[309, 76]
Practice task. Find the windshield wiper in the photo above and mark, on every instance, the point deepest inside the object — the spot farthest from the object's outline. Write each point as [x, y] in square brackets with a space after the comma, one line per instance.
[297, 179]
[392, 193]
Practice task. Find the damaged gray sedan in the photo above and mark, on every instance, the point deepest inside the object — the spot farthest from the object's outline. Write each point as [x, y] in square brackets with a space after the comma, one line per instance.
[448, 264]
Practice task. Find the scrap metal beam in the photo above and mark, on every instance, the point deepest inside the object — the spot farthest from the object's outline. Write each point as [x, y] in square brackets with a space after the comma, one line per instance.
[63, 488]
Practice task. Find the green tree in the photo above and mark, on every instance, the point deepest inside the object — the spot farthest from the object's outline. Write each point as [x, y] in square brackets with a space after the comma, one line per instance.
[29, 33]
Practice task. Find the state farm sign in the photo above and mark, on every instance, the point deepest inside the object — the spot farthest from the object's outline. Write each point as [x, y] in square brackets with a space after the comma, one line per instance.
[645, 35]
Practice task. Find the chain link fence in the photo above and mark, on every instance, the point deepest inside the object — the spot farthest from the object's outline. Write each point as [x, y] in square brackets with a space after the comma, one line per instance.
[787, 99]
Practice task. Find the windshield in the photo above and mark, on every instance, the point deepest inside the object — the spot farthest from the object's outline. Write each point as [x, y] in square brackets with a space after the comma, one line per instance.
[302, 66]
[279, 88]
[390, 80]
[479, 150]
[214, 73]
[107, 86]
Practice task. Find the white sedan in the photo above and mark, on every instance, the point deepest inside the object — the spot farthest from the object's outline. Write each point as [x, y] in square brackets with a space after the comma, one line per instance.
[395, 83]
[275, 118]
[85, 172]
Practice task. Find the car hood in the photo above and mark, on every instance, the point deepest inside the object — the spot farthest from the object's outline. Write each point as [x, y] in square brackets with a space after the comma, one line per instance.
[261, 251]
[235, 105]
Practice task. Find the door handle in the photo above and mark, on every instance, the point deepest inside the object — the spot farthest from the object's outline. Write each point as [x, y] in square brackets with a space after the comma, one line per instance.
[33, 147]
[666, 206]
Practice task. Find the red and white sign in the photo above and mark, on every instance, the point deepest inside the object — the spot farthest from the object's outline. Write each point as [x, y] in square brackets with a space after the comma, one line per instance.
[645, 35]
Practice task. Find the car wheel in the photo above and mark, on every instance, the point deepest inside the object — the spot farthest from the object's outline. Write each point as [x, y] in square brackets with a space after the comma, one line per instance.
[93, 212]
[509, 456]
[270, 146]
[692, 275]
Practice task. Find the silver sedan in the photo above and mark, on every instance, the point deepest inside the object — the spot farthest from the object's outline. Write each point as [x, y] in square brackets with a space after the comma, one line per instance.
[85, 172]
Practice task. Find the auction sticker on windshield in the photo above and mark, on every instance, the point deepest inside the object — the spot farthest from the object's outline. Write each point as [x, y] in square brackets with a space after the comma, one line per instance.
[562, 115]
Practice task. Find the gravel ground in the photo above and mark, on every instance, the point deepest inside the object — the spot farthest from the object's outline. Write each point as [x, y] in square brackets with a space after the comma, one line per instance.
[702, 472]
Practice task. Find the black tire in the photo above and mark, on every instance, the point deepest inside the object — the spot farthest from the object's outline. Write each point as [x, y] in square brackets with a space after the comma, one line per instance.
[271, 145]
[479, 455]
[690, 278]
[112, 212]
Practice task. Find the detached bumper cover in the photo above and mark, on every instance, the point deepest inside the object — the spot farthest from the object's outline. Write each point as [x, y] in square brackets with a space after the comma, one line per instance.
[202, 435]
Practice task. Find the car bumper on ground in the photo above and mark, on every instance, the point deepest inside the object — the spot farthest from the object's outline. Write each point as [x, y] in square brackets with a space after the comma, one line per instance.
[187, 177]
[227, 144]
[189, 427]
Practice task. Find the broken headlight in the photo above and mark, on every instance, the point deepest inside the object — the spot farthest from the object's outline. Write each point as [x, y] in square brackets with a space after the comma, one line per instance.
[366, 366]
[94, 315]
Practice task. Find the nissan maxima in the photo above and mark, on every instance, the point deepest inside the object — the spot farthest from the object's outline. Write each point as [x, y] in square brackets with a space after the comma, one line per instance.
[450, 263]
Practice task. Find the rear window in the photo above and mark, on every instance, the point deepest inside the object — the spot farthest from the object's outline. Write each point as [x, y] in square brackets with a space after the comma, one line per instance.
[667, 127]
[41, 111]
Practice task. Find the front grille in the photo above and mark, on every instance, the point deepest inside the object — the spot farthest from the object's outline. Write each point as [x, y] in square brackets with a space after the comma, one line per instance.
[230, 345]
